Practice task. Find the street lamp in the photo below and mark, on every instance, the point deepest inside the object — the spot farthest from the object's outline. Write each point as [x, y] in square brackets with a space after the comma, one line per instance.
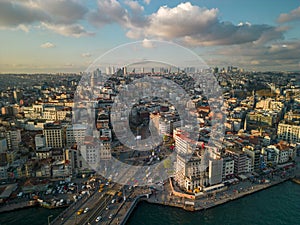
[49, 219]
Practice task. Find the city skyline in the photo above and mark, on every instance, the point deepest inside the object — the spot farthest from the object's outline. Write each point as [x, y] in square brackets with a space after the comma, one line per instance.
[67, 36]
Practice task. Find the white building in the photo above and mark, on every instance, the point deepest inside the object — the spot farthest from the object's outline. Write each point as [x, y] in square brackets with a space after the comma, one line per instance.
[215, 171]
[279, 153]
[289, 132]
[190, 173]
[13, 138]
[75, 134]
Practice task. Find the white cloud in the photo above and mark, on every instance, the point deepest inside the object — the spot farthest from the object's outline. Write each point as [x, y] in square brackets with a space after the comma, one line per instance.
[185, 23]
[134, 5]
[23, 28]
[108, 11]
[72, 30]
[147, 43]
[182, 20]
[147, 2]
[196, 26]
[111, 11]
[47, 45]
[86, 55]
[291, 16]
[60, 16]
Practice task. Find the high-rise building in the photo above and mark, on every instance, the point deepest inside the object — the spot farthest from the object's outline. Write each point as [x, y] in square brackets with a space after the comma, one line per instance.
[75, 134]
[13, 138]
[215, 171]
[254, 154]
[240, 160]
[191, 172]
[228, 168]
[54, 135]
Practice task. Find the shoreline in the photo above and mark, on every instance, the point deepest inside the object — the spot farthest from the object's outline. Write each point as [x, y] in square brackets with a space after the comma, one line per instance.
[239, 195]
[26, 205]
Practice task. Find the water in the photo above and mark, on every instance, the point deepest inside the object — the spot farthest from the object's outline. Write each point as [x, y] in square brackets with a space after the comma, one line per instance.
[279, 205]
[29, 216]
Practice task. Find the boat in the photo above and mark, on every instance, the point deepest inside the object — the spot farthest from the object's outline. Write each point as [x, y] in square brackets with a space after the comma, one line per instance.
[296, 180]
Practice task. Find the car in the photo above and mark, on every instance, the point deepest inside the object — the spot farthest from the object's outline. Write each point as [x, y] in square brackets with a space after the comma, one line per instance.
[107, 208]
[110, 216]
[79, 212]
[120, 199]
[86, 210]
[113, 201]
[98, 219]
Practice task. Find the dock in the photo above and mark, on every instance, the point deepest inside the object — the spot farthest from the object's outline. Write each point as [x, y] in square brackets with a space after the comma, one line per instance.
[17, 206]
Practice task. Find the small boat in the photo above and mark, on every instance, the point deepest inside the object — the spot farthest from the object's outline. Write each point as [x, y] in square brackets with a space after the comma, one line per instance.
[296, 180]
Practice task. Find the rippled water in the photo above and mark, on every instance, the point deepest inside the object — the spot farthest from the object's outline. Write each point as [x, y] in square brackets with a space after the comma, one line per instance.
[30, 216]
[277, 205]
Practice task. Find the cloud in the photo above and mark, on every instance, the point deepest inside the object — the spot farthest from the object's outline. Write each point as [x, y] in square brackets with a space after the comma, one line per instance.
[23, 28]
[14, 13]
[182, 20]
[64, 11]
[135, 6]
[86, 55]
[196, 26]
[72, 30]
[278, 55]
[291, 16]
[147, 2]
[60, 16]
[111, 11]
[47, 45]
[147, 43]
[108, 11]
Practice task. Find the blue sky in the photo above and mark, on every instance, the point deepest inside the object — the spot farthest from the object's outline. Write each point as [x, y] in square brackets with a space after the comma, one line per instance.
[67, 35]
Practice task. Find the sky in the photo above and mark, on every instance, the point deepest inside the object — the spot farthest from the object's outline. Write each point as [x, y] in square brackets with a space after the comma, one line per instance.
[49, 36]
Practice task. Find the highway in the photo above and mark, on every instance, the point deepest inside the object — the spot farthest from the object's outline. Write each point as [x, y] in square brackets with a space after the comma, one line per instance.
[90, 217]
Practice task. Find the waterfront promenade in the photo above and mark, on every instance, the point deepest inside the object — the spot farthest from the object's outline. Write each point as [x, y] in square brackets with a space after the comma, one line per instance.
[208, 201]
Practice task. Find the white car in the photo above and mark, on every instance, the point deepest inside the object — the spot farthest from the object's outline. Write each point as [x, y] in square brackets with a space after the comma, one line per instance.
[110, 216]
[86, 210]
[98, 219]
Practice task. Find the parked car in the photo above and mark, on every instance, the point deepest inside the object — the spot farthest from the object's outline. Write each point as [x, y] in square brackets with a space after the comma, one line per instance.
[98, 219]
